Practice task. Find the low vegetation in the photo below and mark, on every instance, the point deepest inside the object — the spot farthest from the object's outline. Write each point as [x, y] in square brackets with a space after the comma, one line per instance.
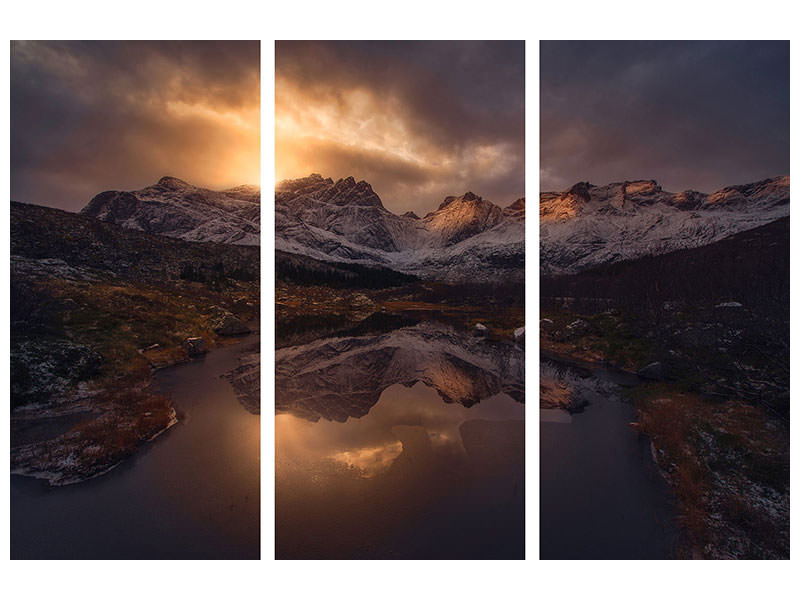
[94, 310]
[728, 463]
[708, 331]
[305, 312]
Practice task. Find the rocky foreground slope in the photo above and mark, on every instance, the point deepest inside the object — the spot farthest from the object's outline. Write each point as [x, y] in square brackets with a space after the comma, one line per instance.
[466, 238]
[94, 308]
[178, 209]
[590, 225]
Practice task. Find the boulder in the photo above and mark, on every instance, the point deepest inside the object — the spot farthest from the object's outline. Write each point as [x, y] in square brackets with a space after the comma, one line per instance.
[228, 324]
[519, 334]
[195, 346]
[654, 371]
[480, 329]
[578, 327]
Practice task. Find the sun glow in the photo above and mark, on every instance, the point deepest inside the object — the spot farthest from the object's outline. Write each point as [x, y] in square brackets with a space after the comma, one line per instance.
[354, 122]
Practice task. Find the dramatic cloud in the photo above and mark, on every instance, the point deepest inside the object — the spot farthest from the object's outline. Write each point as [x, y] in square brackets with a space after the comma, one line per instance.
[92, 116]
[697, 115]
[417, 120]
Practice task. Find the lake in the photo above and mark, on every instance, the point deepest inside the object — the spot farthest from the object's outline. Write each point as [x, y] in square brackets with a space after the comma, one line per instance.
[408, 445]
[192, 493]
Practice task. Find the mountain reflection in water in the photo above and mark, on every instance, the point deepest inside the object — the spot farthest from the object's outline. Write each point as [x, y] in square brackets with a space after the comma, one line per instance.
[408, 444]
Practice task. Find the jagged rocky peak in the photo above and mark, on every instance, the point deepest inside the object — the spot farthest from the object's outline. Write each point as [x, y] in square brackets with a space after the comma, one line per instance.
[468, 197]
[645, 192]
[515, 210]
[618, 194]
[580, 191]
[303, 184]
[774, 189]
[348, 191]
[466, 238]
[518, 204]
[343, 192]
[460, 217]
[640, 192]
[589, 225]
[466, 206]
[689, 199]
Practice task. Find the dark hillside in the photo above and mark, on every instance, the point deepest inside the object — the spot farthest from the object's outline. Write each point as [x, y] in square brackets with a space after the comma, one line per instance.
[303, 270]
[751, 267]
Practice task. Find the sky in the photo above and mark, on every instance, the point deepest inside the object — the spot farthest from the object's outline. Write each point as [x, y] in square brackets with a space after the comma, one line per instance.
[93, 116]
[691, 115]
[419, 121]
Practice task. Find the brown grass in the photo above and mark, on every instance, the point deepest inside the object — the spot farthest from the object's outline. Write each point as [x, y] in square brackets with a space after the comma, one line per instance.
[701, 442]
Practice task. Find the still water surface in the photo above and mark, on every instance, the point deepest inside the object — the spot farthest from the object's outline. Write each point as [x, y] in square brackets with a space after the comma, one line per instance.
[192, 493]
[601, 494]
[403, 445]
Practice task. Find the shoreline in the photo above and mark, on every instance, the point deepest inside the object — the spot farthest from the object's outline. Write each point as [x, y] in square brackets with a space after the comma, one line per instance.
[712, 453]
[36, 459]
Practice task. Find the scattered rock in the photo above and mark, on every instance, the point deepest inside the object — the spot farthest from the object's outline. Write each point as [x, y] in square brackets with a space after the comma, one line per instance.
[577, 327]
[42, 369]
[228, 324]
[654, 371]
[195, 346]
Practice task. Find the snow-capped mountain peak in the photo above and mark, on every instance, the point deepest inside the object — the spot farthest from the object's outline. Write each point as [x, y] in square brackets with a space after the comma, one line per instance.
[175, 208]
[587, 225]
[460, 217]
[345, 220]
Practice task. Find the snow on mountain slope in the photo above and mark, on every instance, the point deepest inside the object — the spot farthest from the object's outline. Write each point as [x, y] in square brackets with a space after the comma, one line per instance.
[589, 225]
[465, 238]
[178, 209]
[458, 218]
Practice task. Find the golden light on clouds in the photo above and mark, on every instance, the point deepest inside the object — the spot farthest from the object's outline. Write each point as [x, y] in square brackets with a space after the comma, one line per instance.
[355, 121]
[418, 121]
[93, 116]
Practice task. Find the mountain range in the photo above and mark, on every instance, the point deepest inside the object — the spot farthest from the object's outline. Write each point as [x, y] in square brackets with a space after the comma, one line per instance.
[343, 221]
[466, 238]
[587, 225]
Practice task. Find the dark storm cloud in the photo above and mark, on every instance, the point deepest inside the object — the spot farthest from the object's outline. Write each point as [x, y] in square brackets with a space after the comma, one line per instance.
[91, 116]
[418, 120]
[697, 115]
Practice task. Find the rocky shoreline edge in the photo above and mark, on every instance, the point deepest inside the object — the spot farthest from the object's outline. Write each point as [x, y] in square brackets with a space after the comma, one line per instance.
[100, 429]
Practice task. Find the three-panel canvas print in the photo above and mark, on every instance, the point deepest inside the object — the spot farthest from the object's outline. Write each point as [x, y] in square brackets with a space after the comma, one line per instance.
[657, 296]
